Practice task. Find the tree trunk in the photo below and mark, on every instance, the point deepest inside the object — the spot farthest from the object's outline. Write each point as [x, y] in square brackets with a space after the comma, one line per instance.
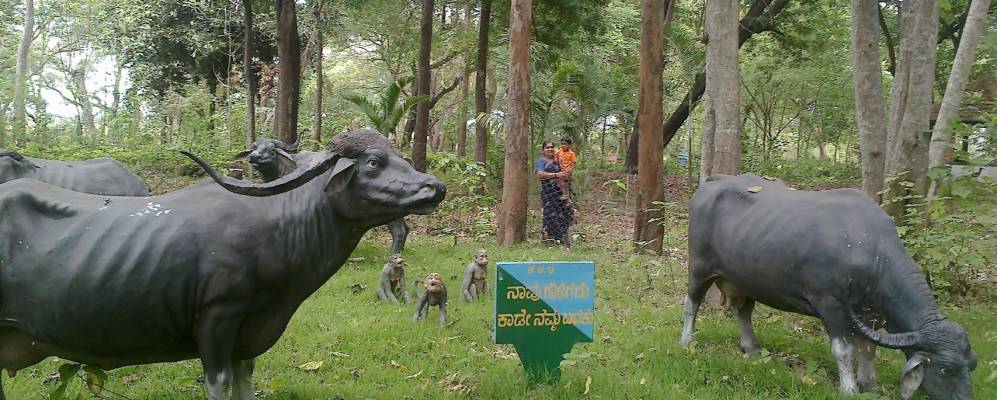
[648, 230]
[940, 149]
[289, 72]
[481, 110]
[723, 86]
[247, 64]
[709, 141]
[83, 99]
[908, 130]
[21, 73]
[759, 18]
[887, 38]
[319, 77]
[632, 145]
[464, 86]
[423, 83]
[868, 84]
[512, 221]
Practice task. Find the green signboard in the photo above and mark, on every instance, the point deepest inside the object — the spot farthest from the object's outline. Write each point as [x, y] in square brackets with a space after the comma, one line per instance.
[543, 309]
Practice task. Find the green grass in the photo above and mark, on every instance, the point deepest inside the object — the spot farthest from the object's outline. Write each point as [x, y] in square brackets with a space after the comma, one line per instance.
[370, 349]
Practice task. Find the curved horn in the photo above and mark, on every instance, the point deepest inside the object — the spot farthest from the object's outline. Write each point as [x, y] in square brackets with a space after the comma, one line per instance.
[888, 340]
[284, 184]
[290, 148]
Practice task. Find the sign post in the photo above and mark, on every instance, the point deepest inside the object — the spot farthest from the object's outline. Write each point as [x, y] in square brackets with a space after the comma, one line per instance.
[543, 309]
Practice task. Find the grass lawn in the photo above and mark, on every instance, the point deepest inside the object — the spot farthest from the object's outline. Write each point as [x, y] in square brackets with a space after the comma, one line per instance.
[369, 349]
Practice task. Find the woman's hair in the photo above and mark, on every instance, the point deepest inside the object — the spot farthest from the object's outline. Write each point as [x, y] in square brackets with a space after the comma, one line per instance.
[544, 144]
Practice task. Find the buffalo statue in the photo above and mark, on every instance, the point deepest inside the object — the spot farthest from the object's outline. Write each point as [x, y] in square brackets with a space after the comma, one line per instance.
[103, 176]
[213, 271]
[274, 159]
[834, 255]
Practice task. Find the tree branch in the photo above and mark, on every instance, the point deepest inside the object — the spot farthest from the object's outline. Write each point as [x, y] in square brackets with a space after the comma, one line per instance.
[439, 95]
[890, 52]
[752, 23]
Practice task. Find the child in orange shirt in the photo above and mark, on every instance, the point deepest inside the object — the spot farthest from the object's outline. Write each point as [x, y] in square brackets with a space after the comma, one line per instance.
[567, 159]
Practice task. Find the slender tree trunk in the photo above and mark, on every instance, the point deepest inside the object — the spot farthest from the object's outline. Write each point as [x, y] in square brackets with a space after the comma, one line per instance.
[709, 141]
[247, 65]
[464, 86]
[21, 73]
[648, 231]
[908, 132]
[423, 83]
[319, 77]
[512, 222]
[887, 38]
[633, 143]
[480, 96]
[289, 72]
[723, 85]
[868, 84]
[79, 76]
[940, 149]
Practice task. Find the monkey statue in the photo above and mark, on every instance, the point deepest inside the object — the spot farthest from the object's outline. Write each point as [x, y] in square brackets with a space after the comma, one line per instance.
[434, 295]
[392, 280]
[475, 277]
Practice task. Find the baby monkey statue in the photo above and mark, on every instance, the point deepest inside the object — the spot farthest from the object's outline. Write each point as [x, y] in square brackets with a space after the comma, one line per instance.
[475, 277]
[392, 280]
[434, 295]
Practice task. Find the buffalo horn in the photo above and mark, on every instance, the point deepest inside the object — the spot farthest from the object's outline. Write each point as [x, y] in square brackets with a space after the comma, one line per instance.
[284, 184]
[888, 340]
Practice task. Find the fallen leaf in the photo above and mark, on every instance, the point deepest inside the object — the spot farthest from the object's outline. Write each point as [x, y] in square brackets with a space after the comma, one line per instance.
[639, 356]
[768, 178]
[588, 384]
[416, 375]
[643, 381]
[355, 259]
[808, 380]
[311, 366]
[754, 189]
[338, 354]
[53, 377]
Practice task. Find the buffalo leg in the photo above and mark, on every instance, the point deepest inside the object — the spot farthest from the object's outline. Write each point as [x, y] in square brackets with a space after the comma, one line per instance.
[839, 329]
[866, 353]
[242, 385]
[699, 282]
[749, 342]
[214, 341]
[399, 233]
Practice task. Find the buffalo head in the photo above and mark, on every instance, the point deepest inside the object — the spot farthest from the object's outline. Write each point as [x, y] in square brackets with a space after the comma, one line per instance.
[271, 157]
[16, 163]
[369, 180]
[939, 358]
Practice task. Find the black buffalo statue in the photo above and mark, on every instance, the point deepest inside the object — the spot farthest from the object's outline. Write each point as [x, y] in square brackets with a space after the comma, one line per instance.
[834, 255]
[103, 176]
[213, 271]
[274, 159]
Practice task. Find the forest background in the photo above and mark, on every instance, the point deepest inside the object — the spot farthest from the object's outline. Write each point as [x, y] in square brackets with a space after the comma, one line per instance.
[139, 81]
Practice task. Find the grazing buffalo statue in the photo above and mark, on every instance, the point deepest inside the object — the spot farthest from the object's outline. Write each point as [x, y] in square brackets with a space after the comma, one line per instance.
[103, 176]
[834, 255]
[274, 159]
[204, 272]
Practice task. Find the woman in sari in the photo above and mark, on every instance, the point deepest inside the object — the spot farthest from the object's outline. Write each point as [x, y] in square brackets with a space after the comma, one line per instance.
[556, 212]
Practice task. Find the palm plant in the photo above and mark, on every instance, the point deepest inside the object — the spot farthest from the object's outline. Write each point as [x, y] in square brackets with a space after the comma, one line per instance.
[385, 112]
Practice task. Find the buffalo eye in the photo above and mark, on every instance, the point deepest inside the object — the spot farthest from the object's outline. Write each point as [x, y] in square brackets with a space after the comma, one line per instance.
[943, 370]
[372, 163]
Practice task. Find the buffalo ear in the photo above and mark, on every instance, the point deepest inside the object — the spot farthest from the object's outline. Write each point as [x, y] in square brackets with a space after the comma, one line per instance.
[342, 172]
[912, 375]
[285, 159]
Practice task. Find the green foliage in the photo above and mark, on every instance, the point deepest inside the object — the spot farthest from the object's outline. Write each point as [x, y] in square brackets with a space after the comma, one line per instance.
[94, 381]
[472, 213]
[809, 172]
[951, 236]
[386, 113]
